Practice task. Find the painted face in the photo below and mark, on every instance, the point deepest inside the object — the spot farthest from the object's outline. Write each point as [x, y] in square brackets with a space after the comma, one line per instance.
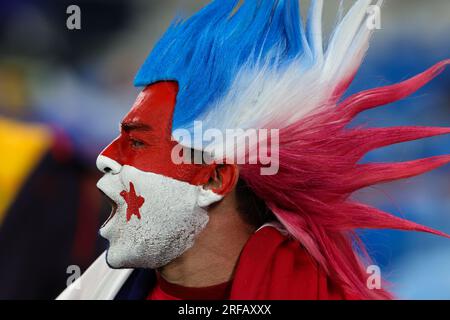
[158, 206]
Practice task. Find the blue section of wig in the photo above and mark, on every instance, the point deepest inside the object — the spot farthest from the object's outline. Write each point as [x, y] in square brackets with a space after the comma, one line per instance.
[205, 52]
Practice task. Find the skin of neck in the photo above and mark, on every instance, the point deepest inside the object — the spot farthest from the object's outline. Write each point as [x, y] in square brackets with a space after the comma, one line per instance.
[215, 253]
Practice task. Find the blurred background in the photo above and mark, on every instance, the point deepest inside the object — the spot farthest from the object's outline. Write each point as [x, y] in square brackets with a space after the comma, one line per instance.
[63, 93]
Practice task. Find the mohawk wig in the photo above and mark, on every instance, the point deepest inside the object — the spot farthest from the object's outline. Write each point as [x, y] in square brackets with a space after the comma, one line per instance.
[255, 65]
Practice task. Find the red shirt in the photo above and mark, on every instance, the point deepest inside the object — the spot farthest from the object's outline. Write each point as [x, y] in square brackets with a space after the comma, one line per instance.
[164, 290]
[271, 266]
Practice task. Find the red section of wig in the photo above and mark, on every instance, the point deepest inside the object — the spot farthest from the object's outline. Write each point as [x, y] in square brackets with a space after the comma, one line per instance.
[319, 170]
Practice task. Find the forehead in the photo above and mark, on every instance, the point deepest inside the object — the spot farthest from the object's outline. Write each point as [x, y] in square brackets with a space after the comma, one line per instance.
[155, 105]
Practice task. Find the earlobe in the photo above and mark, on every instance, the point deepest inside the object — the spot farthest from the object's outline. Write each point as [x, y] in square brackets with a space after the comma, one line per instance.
[223, 179]
[207, 197]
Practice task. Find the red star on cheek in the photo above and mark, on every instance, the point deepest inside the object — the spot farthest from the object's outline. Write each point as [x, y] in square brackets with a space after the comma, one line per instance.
[134, 202]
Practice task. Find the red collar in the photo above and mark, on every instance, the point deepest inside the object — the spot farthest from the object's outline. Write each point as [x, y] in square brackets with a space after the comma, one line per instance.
[216, 292]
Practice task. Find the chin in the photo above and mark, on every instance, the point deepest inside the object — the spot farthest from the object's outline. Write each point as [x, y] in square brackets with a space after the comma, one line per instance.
[117, 260]
[123, 258]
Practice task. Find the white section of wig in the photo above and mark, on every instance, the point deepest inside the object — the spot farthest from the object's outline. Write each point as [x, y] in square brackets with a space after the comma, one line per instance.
[314, 29]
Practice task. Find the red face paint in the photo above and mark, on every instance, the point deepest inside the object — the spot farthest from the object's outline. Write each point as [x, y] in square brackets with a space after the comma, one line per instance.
[145, 137]
[134, 202]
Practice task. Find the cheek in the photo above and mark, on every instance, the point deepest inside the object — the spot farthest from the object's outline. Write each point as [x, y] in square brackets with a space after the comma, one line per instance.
[153, 199]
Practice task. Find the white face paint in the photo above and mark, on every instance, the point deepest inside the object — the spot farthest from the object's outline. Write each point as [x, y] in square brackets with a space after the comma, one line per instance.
[171, 213]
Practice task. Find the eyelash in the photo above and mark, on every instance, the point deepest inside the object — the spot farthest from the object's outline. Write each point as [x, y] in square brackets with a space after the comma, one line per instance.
[136, 143]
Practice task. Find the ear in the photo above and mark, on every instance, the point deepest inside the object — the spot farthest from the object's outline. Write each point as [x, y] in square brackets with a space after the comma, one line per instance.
[222, 180]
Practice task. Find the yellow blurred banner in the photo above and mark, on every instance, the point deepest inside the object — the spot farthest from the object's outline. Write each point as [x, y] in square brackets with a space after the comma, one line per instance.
[22, 146]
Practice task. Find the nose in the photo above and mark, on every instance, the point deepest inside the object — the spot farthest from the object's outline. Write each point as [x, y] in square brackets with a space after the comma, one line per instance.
[108, 165]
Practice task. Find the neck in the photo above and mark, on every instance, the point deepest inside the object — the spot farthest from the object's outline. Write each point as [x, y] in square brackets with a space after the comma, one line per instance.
[216, 251]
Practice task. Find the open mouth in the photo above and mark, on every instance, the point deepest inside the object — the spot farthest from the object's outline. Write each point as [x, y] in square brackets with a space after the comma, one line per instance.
[113, 208]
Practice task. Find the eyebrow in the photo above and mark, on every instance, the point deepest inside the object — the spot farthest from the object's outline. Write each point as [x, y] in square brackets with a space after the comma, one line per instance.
[129, 126]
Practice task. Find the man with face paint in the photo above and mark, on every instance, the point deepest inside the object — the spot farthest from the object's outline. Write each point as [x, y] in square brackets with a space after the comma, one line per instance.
[225, 229]
[159, 207]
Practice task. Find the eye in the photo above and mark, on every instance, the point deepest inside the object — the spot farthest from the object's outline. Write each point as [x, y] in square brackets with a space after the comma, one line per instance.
[136, 143]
